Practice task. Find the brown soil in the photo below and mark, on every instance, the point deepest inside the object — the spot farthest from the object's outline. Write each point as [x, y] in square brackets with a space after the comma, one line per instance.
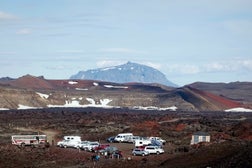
[230, 144]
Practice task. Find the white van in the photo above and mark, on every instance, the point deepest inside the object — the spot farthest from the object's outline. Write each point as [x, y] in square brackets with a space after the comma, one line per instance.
[123, 137]
[69, 141]
[72, 138]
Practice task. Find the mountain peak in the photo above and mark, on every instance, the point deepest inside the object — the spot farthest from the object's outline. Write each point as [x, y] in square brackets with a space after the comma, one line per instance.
[125, 73]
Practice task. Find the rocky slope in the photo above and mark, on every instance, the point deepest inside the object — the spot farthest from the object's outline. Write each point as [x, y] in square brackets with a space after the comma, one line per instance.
[29, 92]
[237, 91]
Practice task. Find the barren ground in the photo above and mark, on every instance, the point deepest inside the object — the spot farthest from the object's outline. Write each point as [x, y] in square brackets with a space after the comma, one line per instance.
[230, 146]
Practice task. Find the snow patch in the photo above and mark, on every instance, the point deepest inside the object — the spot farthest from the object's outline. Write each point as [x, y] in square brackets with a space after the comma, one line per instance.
[105, 102]
[117, 87]
[44, 96]
[20, 106]
[105, 69]
[75, 103]
[72, 82]
[91, 101]
[3, 109]
[172, 108]
[96, 84]
[81, 88]
[238, 109]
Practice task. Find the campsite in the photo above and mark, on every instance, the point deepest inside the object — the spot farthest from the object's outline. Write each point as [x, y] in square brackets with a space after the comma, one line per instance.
[230, 137]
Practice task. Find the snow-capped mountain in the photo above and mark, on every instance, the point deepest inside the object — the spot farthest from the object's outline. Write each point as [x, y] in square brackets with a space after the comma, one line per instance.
[129, 72]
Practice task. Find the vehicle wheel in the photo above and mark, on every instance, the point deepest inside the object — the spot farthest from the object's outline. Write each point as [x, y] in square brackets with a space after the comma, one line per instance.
[22, 144]
[134, 154]
[143, 154]
[158, 153]
[65, 146]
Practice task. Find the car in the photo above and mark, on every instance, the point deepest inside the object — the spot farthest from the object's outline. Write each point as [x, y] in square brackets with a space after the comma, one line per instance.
[67, 144]
[132, 139]
[111, 139]
[154, 149]
[100, 147]
[81, 144]
[140, 152]
[91, 145]
[62, 143]
[158, 139]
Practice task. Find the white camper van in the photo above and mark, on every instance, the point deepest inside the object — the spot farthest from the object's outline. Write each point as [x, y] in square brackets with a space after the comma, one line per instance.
[123, 137]
[142, 142]
[69, 141]
[72, 138]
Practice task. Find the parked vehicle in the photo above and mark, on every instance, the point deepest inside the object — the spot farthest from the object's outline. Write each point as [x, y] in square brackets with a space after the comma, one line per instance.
[142, 142]
[140, 152]
[111, 139]
[69, 141]
[154, 149]
[157, 139]
[68, 144]
[81, 144]
[23, 140]
[72, 138]
[100, 147]
[132, 139]
[123, 137]
[91, 145]
[61, 143]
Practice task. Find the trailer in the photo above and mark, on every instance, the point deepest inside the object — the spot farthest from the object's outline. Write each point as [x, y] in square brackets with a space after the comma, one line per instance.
[142, 142]
[28, 140]
[123, 137]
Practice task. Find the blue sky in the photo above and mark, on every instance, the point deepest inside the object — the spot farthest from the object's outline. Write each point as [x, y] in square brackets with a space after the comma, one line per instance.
[187, 40]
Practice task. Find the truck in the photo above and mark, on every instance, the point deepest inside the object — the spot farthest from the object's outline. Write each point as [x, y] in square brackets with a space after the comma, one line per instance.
[28, 140]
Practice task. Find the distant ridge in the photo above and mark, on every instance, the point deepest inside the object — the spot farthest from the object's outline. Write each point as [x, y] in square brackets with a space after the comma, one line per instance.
[37, 92]
[125, 73]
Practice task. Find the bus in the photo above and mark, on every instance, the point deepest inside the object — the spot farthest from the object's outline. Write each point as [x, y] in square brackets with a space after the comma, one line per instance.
[28, 140]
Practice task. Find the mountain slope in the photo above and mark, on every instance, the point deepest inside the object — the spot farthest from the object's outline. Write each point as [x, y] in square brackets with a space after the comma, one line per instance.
[237, 91]
[30, 91]
[129, 72]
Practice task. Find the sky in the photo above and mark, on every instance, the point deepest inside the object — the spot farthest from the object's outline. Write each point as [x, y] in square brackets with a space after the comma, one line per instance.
[187, 40]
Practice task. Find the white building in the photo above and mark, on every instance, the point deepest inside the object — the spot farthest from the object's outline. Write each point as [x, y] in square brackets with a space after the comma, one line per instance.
[198, 137]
